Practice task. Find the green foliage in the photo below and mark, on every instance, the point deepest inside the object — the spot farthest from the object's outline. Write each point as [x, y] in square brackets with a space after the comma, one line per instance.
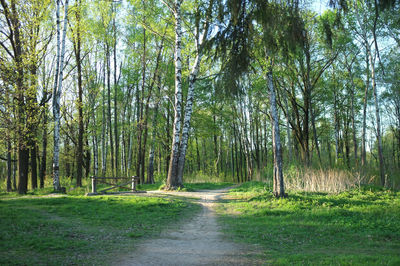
[352, 227]
[80, 230]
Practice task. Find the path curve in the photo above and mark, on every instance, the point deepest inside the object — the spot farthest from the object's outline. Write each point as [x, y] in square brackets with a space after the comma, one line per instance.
[198, 241]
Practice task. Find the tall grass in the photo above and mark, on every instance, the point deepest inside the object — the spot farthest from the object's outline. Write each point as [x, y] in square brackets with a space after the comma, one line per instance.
[324, 180]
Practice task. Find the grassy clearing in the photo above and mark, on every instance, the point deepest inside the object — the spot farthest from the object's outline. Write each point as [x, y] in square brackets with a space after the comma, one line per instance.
[80, 230]
[350, 228]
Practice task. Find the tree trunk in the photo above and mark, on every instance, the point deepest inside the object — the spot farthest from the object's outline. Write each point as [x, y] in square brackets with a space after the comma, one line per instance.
[95, 153]
[187, 118]
[23, 168]
[276, 142]
[346, 140]
[9, 165]
[353, 119]
[257, 140]
[14, 175]
[104, 128]
[116, 134]
[126, 135]
[364, 124]
[150, 172]
[232, 158]
[67, 149]
[33, 150]
[240, 168]
[236, 151]
[289, 144]
[87, 156]
[328, 144]
[140, 122]
[197, 154]
[336, 121]
[77, 50]
[173, 179]
[190, 97]
[22, 139]
[42, 172]
[315, 134]
[167, 140]
[109, 107]
[378, 120]
[57, 94]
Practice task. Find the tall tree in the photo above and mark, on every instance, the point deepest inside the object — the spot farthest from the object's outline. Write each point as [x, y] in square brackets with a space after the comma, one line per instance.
[57, 89]
[77, 40]
[172, 179]
[200, 41]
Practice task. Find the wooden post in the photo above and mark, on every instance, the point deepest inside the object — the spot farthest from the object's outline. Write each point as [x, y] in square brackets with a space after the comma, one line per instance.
[93, 184]
[133, 184]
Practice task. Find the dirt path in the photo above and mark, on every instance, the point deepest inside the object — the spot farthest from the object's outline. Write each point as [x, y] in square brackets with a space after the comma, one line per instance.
[199, 241]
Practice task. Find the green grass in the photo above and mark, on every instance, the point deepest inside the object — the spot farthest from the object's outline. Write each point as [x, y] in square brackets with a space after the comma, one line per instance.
[188, 186]
[81, 230]
[206, 186]
[351, 228]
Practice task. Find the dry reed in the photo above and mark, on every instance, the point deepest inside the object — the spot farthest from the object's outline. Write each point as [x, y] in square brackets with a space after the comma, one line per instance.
[323, 180]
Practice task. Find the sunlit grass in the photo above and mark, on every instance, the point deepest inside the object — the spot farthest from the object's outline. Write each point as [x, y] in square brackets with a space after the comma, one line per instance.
[353, 227]
[79, 230]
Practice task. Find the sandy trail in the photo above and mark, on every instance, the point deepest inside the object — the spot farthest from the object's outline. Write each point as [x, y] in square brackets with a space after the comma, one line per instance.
[198, 241]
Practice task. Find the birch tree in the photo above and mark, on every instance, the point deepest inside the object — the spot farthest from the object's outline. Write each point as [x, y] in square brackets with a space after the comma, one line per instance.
[57, 89]
[172, 179]
[366, 31]
[279, 187]
[199, 46]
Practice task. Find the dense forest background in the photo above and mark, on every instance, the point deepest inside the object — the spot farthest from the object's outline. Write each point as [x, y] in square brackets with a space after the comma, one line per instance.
[110, 69]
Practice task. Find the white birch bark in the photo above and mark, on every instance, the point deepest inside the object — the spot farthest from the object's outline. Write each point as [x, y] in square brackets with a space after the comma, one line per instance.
[353, 122]
[172, 179]
[364, 123]
[276, 139]
[188, 114]
[289, 139]
[95, 156]
[378, 119]
[95, 146]
[189, 101]
[337, 152]
[57, 93]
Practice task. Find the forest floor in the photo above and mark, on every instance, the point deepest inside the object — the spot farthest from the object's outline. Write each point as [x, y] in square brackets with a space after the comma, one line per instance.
[198, 241]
